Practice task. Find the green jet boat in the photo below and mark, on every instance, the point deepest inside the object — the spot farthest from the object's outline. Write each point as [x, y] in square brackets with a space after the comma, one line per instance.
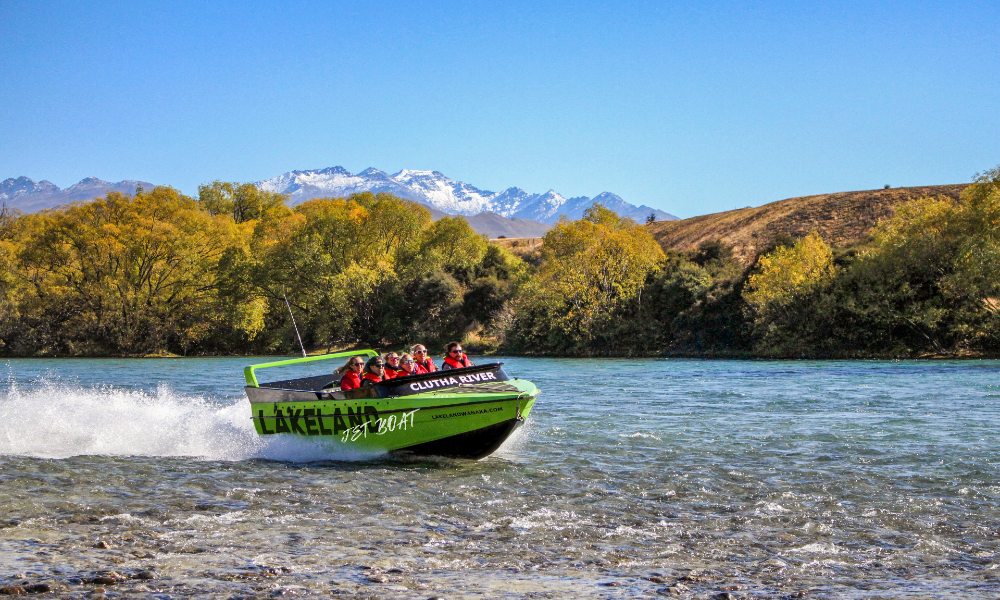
[463, 413]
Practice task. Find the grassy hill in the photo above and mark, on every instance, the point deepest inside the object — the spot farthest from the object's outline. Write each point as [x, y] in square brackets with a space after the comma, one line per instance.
[842, 219]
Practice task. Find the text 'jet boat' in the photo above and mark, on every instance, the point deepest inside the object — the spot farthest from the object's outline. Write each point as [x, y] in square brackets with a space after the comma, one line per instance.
[463, 413]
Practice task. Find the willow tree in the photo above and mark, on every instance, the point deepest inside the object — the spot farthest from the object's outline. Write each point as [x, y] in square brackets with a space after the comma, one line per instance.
[591, 270]
[241, 201]
[783, 294]
[337, 261]
[123, 275]
[928, 281]
[9, 301]
[789, 272]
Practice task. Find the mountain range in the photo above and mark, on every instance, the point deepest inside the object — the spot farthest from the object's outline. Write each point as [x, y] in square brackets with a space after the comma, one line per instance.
[449, 196]
[509, 213]
[27, 195]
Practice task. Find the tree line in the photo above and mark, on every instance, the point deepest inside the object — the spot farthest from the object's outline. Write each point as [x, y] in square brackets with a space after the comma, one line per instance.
[159, 272]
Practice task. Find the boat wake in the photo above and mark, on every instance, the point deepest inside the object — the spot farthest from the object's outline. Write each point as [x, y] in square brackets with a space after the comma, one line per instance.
[51, 419]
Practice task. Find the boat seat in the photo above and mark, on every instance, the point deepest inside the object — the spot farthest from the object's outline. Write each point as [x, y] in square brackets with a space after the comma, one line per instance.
[316, 382]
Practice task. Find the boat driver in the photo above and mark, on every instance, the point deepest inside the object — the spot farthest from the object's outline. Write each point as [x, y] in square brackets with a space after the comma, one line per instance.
[455, 357]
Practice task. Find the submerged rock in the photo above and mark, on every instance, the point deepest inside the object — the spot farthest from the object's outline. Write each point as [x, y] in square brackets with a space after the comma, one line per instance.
[13, 590]
[38, 588]
[108, 578]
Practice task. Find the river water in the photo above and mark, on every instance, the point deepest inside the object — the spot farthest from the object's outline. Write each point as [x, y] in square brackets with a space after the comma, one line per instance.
[632, 478]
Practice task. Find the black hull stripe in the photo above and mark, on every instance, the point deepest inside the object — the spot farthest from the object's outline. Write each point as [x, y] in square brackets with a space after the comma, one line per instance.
[474, 444]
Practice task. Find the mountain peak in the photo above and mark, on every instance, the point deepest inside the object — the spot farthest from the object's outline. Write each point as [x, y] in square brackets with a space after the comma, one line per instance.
[372, 172]
[336, 170]
[607, 196]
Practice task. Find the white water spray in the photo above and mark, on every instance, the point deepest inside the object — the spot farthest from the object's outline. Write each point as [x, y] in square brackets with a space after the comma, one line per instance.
[58, 420]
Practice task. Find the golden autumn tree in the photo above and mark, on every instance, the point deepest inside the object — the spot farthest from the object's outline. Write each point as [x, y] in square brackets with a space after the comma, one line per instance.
[789, 272]
[123, 275]
[929, 280]
[590, 269]
[9, 300]
[783, 294]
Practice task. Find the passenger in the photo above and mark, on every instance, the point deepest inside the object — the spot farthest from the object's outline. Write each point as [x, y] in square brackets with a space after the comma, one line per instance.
[392, 368]
[455, 357]
[350, 373]
[409, 366]
[373, 371]
[424, 361]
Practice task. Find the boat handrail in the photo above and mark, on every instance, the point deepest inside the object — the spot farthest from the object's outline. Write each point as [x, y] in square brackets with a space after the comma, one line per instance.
[250, 374]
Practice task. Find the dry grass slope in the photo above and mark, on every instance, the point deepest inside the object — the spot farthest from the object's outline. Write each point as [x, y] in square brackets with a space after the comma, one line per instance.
[523, 247]
[842, 219]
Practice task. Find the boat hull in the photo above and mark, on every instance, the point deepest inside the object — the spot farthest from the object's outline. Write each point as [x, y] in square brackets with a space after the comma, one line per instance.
[466, 422]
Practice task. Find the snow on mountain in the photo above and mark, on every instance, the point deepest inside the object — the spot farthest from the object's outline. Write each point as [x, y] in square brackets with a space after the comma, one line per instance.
[444, 193]
[22, 185]
[448, 195]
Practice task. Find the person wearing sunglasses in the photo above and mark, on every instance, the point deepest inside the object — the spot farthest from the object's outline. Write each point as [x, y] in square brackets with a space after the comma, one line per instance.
[392, 368]
[424, 361]
[374, 371]
[408, 366]
[350, 373]
[455, 357]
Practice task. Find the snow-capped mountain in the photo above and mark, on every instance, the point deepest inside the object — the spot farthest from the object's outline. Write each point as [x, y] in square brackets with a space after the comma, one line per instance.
[27, 195]
[449, 195]
[512, 212]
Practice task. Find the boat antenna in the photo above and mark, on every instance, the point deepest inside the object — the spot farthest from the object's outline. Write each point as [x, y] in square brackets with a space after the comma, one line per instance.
[301, 345]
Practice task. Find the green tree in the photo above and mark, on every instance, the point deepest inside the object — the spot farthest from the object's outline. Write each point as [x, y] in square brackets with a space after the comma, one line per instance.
[242, 201]
[928, 280]
[452, 244]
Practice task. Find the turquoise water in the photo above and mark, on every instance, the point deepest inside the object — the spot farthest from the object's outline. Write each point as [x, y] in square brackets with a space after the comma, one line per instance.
[632, 478]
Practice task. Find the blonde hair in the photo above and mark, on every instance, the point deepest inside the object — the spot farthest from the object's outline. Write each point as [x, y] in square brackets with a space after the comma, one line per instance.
[347, 365]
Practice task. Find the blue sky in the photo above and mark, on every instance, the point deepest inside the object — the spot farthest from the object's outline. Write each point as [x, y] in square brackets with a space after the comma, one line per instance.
[689, 107]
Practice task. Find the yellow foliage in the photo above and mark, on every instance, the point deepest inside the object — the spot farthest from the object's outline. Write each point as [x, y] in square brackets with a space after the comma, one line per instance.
[788, 272]
[127, 270]
[591, 267]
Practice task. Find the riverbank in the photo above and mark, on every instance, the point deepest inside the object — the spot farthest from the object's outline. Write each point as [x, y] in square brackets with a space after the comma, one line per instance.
[492, 351]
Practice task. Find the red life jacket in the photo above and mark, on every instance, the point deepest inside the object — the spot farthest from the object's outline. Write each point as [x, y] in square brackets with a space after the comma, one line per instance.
[458, 364]
[372, 377]
[350, 381]
[393, 372]
[428, 365]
